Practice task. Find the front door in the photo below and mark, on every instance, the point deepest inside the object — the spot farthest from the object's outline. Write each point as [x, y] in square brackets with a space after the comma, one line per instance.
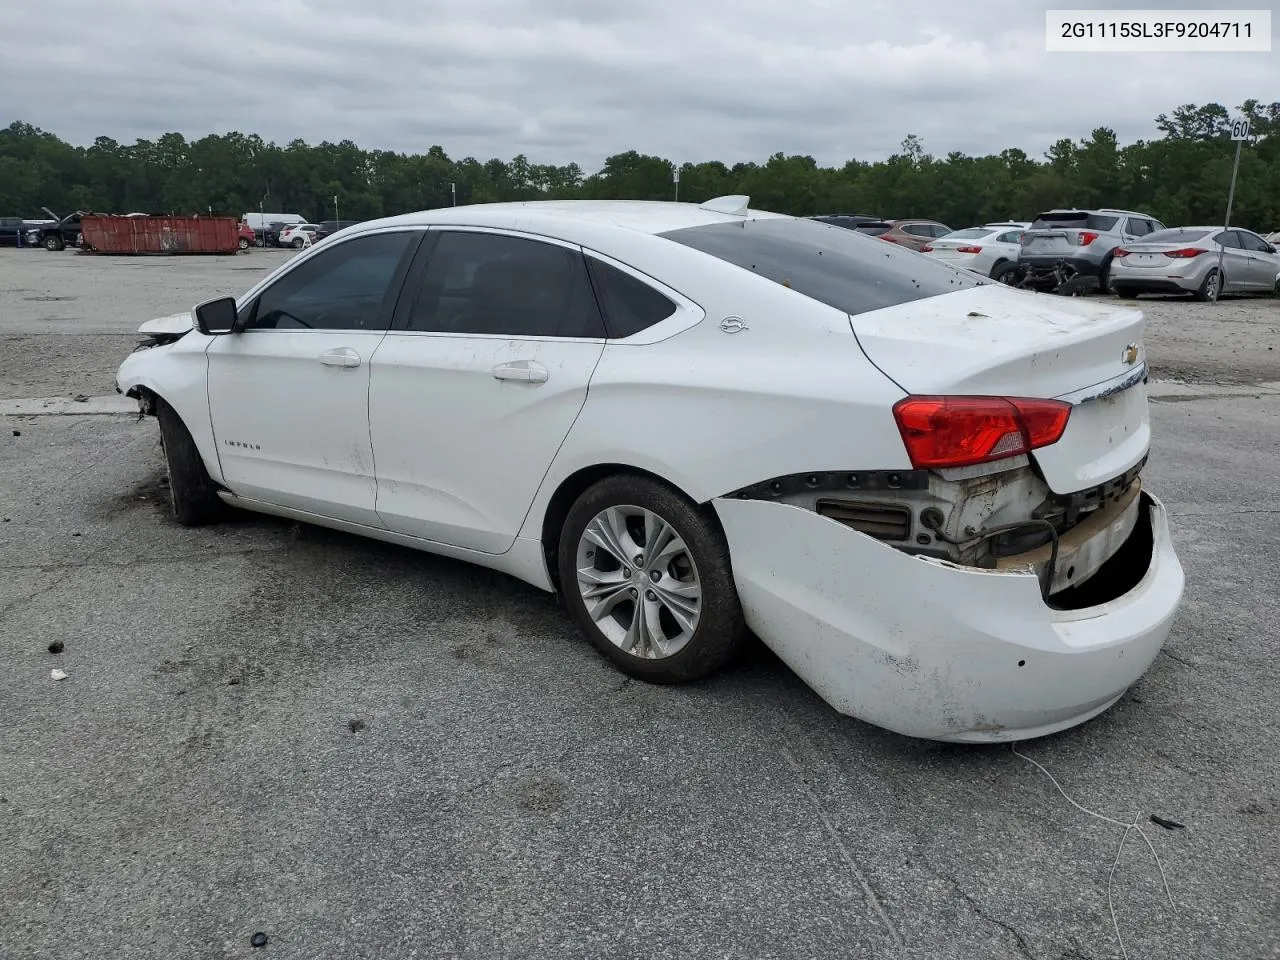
[289, 394]
[478, 384]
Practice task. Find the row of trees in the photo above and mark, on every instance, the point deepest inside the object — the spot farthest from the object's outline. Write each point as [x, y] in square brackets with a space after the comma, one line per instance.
[1181, 177]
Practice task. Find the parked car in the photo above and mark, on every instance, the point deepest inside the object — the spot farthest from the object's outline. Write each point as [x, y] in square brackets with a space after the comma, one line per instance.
[297, 235]
[1070, 251]
[262, 221]
[247, 236]
[850, 221]
[327, 228]
[944, 534]
[912, 234]
[985, 250]
[11, 232]
[60, 233]
[1185, 260]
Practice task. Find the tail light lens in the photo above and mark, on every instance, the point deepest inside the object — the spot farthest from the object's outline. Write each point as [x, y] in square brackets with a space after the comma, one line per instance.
[961, 431]
[926, 249]
[1120, 252]
[1085, 237]
[1185, 253]
[968, 249]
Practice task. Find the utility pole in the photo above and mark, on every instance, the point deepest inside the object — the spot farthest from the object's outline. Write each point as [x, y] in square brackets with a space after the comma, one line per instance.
[453, 189]
[675, 176]
[335, 207]
[1239, 133]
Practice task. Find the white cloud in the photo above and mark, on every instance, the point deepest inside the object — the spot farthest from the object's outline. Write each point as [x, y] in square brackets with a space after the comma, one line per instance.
[577, 80]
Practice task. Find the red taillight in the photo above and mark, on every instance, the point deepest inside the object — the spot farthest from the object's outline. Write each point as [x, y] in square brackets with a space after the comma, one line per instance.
[1084, 238]
[1185, 252]
[960, 431]
[1120, 252]
[926, 249]
[968, 249]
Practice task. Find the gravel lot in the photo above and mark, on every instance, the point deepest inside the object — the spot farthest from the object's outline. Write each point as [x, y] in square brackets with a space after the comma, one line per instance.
[368, 752]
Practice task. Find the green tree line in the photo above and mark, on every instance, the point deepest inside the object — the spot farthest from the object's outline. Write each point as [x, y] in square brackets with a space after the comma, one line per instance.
[1181, 177]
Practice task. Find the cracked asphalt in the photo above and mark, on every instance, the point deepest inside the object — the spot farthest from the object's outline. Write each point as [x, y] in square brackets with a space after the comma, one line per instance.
[363, 751]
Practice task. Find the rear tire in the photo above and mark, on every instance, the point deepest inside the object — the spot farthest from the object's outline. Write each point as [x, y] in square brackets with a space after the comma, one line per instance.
[192, 492]
[683, 617]
[1009, 273]
[1209, 287]
[299, 243]
[1125, 293]
[1104, 276]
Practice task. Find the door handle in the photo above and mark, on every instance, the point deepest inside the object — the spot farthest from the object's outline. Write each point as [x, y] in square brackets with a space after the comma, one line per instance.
[340, 357]
[527, 371]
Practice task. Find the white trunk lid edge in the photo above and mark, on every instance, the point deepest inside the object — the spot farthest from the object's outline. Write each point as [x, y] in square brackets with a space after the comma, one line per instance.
[993, 340]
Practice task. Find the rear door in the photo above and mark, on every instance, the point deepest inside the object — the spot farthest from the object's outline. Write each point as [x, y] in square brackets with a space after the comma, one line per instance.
[1237, 268]
[478, 383]
[1262, 261]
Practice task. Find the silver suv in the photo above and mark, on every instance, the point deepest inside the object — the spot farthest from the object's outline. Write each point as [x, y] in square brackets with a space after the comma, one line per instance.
[1069, 251]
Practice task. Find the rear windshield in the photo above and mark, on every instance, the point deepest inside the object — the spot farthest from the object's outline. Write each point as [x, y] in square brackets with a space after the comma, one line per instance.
[1176, 235]
[973, 233]
[1073, 220]
[873, 229]
[837, 267]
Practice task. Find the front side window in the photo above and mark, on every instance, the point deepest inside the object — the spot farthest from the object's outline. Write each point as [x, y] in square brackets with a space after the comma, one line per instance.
[840, 268]
[347, 287]
[488, 283]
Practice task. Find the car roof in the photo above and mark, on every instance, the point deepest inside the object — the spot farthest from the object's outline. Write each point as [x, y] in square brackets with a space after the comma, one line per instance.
[558, 217]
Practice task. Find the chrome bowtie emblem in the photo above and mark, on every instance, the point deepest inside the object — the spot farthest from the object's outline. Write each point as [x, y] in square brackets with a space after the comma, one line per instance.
[1130, 354]
[733, 324]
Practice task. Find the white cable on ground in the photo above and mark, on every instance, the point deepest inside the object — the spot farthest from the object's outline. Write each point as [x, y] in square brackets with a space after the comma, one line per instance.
[1127, 828]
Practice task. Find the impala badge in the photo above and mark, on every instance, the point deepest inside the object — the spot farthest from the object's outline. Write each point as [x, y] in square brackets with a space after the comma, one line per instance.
[1130, 355]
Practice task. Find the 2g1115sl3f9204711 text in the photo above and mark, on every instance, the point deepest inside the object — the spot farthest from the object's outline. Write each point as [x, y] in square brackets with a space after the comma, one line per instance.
[1141, 30]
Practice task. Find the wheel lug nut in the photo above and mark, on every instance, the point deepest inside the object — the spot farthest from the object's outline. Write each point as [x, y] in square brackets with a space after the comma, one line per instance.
[655, 575]
[650, 595]
[635, 592]
[626, 573]
[639, 561]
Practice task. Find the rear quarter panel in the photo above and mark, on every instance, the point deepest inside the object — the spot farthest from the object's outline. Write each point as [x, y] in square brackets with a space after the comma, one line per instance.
[712, 412]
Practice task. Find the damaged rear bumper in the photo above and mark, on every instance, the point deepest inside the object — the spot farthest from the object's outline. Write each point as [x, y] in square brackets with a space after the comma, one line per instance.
[930, 649]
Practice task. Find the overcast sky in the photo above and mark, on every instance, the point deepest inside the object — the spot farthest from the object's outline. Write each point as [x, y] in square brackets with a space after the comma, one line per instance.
[578, 80]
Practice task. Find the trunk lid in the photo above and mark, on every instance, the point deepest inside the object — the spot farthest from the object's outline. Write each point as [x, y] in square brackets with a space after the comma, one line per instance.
[1154, 255]
[997, 341]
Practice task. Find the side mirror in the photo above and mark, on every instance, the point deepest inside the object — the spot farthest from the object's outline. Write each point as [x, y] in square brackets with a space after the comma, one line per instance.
[216, 317]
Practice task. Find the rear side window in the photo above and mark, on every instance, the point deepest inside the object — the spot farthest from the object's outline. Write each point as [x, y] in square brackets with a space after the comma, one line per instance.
[488, 283]
[630, 305]
[919, 229]
[837, 267]
[1012, 237]
[1138, 227]
[1230, 238]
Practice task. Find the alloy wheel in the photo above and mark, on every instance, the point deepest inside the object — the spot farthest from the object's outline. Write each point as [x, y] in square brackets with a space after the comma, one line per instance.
[639, 582]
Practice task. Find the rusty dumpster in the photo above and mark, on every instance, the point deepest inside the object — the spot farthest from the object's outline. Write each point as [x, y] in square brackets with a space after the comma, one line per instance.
[160, 236]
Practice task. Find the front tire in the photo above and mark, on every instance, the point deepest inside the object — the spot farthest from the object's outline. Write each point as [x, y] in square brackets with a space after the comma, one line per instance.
[646, 576]
[244, 243]
[192, 492]
[299, 243]
[53, 243]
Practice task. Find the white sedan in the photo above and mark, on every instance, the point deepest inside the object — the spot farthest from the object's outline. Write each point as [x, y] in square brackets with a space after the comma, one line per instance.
[298, 235]
[920, 488]
[983, 250]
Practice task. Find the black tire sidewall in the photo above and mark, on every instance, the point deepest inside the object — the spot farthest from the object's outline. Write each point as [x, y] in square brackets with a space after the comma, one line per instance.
[720, 628]
[192, 493]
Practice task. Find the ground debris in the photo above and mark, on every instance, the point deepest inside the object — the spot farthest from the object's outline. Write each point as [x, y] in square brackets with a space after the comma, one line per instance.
[56, 674]
[1167, 824]
[56, 647]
